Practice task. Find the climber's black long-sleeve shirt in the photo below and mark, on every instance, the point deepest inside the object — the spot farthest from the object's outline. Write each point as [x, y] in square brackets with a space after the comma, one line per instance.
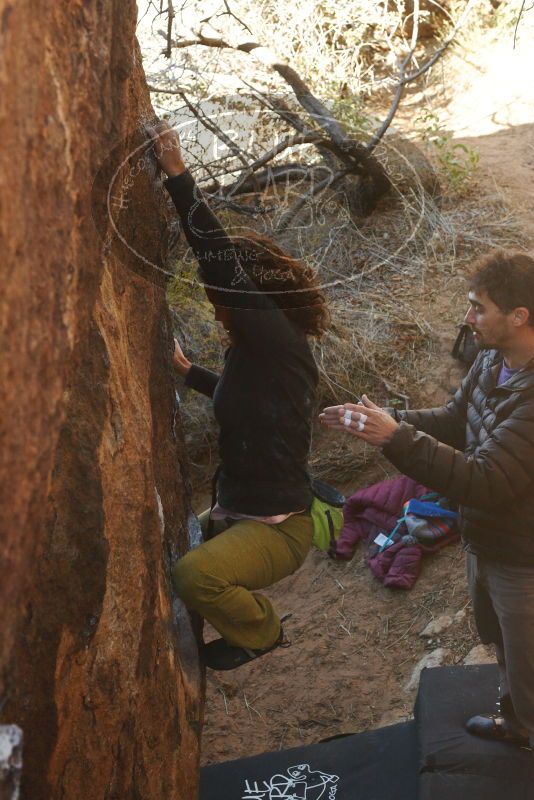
[264, 398]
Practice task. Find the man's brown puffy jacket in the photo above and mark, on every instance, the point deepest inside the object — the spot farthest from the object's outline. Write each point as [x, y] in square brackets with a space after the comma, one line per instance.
[479, 451]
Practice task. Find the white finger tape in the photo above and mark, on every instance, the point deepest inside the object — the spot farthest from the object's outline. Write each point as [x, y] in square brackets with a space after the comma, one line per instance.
[363, 418]
[360, 426]
[347, 417]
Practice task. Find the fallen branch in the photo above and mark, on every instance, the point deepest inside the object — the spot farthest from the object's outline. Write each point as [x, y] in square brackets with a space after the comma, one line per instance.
[350, 152]
[320, 128]
[272, 175]
[331, 180]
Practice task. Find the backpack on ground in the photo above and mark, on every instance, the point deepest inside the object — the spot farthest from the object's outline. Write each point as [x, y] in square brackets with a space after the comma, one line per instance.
[464, 348]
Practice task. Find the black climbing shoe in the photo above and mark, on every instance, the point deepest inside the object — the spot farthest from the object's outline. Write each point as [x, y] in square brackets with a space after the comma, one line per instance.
[222, 656]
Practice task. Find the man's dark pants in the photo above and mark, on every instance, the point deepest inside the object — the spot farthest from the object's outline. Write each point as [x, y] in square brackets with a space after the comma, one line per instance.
[503, 604]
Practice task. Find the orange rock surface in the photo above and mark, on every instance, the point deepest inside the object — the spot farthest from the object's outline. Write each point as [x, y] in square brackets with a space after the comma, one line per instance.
[98, 663]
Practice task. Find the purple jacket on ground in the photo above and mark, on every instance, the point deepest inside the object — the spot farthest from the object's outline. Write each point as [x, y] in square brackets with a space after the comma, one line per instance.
[372, 510]
[375, 510]
[398, 565]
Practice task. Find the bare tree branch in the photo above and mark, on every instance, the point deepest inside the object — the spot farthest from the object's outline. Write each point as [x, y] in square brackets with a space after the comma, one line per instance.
[273, 174]
[239, 208]
[518, 21]
[170, 19]
[230, 13]
[280, 107]
[448, 41]
[217, 131]
[352, 153]
[283, 110]
[401, 85]
[335, 143]
[404, 79]
[291, 141]
[244, 184]
[161, 90]
[327, 183]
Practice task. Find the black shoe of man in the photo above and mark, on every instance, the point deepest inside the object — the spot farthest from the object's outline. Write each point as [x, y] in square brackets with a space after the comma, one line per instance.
[498, 728]
[220, 655]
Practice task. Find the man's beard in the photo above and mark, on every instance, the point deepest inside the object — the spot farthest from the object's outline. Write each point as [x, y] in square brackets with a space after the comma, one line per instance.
[481, 344]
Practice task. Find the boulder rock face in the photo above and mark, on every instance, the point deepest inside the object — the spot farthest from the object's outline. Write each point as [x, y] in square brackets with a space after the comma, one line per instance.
[98, 661]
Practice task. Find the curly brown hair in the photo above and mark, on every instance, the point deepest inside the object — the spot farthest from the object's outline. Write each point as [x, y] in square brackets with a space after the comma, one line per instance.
[290, 284]
[508, 278]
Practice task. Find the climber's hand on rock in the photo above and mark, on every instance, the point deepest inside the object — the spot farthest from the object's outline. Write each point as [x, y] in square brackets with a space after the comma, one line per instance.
[182, 365]
[167, 148]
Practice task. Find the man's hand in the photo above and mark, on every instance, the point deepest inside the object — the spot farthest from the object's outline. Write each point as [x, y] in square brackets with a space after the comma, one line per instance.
[367, 421]
[167, 148]
[181, 364]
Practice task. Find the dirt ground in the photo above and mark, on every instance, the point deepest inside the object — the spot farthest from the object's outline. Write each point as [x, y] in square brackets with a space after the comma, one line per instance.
[354, 642]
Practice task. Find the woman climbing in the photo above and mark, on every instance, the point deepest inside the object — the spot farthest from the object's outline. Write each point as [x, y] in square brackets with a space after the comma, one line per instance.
[263, 401]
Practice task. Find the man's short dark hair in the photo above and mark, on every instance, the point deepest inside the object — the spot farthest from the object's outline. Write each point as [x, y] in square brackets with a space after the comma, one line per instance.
[508, 279]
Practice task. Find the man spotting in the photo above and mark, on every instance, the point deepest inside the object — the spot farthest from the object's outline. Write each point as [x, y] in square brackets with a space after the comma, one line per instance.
[479, 451]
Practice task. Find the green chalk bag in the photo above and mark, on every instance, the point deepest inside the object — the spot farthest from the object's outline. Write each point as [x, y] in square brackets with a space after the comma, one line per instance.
[327, 514]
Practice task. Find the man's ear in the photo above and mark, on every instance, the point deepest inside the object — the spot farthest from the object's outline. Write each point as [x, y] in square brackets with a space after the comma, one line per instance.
[520, 316]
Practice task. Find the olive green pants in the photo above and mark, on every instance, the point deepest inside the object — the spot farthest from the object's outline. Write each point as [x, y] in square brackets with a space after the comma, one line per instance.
[219, 578]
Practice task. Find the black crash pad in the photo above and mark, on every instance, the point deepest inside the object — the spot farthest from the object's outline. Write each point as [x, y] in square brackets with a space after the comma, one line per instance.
[453, 764]
[452, 786]
[429, 758]
[375, 765]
